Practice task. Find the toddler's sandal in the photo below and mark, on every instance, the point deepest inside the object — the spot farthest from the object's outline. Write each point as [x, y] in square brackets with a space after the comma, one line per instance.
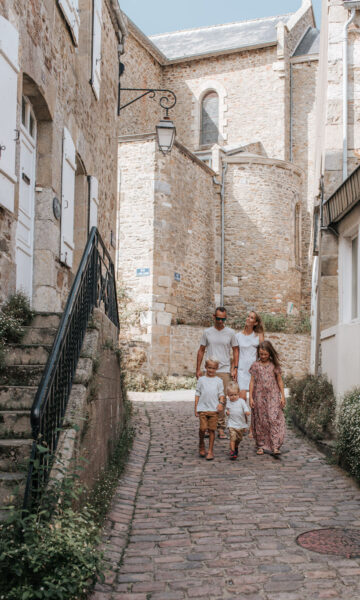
[259, 451]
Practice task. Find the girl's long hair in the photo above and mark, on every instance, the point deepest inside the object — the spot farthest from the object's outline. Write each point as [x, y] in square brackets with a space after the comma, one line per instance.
[273, 355]
[259, 327]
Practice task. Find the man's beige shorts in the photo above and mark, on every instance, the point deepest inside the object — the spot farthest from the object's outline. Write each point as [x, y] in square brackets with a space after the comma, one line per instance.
[236, 435]
[208, 420]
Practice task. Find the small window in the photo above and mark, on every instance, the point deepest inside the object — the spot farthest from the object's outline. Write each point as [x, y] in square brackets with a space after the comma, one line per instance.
[209, 133]
[354, 278]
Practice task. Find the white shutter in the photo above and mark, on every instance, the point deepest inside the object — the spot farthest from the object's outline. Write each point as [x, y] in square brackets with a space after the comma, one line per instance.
[70, 10]
[67, 200]
[9, 69]
[94, 203]
[96, 47]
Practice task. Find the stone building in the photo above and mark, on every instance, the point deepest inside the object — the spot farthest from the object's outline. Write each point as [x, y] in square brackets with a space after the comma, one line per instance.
[336, 269]
[58, 122]
[227, 216]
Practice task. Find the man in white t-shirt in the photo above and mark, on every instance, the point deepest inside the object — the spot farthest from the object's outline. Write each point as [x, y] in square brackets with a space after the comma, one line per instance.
[219, 341]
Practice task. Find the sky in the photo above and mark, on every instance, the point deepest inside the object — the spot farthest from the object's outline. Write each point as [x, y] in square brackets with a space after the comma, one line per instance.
[160, 16]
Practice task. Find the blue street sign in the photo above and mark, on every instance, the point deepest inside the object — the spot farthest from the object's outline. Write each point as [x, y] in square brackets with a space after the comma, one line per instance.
[143, 272]
[177, 276]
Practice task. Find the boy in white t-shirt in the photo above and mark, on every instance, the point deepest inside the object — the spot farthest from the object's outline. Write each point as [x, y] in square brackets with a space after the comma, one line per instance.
[238, 412]
[209, 401]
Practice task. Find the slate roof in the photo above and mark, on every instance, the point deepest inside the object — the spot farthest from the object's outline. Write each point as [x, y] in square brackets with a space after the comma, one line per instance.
[218, 38]
[310, 43]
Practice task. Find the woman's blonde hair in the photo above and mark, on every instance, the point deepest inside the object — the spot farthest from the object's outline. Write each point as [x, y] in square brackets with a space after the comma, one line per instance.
[259, 327]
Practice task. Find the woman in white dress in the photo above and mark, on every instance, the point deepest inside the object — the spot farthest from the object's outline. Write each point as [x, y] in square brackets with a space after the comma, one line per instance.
[248, 339]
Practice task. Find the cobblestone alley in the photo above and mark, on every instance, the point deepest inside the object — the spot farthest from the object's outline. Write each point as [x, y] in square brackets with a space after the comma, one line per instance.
[181, 527]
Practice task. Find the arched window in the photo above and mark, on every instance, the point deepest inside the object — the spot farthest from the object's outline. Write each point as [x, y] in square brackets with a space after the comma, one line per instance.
[209, 131]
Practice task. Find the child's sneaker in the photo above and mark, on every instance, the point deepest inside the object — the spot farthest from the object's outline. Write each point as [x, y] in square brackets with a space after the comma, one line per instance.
[233, 455]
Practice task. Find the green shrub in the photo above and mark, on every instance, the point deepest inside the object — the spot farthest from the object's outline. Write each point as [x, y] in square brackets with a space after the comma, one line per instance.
[311, 406]
[18, 306]
[137, 382]
[11, 328]
[348, 430]
[50, 553]
[275, 322]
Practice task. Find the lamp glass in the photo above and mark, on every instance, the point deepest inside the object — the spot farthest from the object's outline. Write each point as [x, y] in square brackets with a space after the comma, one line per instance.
[165, 131]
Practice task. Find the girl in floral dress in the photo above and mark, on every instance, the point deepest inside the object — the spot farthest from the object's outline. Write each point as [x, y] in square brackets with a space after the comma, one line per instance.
[267, 400]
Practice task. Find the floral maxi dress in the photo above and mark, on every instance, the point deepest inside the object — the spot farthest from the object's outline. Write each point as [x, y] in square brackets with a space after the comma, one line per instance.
[267, 415]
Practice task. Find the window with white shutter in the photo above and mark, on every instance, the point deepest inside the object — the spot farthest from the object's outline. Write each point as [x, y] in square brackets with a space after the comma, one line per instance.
[67, 199]
[96, 47]
[70, 10]
[9, 70]
[94, 203]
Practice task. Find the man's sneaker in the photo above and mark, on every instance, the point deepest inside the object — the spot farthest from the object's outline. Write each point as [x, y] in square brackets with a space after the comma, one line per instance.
[236, 451]
[233, 455]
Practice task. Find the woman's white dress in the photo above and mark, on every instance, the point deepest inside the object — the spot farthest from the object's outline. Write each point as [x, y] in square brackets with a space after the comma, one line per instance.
[247, 355]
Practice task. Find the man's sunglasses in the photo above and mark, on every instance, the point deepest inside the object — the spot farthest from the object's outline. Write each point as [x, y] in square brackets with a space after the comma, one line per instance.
[220, 318]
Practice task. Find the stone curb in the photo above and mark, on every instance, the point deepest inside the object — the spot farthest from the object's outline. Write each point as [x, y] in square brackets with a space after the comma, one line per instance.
[118, 524]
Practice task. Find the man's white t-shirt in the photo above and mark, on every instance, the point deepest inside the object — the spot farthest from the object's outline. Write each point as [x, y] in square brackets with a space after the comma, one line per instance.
[237, 410]
[209, 390]
[218, 344]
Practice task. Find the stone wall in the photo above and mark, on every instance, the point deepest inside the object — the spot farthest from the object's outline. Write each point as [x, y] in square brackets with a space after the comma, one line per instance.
[96, 406]
[142, 70]
[294, 350]
[260, 269]
[54, 76]
[304, 78]
[251, 92]
[167, 239]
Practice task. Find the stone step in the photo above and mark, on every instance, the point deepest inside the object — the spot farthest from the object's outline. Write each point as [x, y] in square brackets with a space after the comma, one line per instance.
[16, 397]
[23, 375]
[15, 424]
[22, 354]
[47, 320]
[39, 335]
[12, 487]
[14, 454]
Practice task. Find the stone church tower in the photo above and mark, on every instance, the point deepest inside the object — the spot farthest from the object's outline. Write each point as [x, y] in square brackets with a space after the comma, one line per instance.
[226, 217]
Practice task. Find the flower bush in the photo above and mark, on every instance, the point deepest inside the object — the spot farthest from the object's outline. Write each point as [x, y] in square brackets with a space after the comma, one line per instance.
[348, 433]
[311, 406]
[14, 315]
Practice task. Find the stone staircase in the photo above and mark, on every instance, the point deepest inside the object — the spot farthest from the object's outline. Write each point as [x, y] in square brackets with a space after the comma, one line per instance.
[18, 384]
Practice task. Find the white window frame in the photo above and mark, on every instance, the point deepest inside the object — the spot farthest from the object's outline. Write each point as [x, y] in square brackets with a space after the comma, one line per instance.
[70, 10]
[345, 295]
[96, 57]
[9, 73]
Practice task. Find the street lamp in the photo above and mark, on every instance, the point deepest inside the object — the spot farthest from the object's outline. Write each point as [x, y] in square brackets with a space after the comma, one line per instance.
[165, 130]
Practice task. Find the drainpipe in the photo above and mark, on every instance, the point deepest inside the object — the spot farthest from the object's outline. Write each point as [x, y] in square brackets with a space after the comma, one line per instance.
[345, 91]
[291, 114]
[222, 197]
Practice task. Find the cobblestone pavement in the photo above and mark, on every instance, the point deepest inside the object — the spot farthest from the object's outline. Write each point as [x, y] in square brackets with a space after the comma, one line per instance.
[181, 527]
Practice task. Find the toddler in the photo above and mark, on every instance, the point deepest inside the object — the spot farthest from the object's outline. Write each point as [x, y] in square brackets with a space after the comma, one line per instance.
[238, 413]
[209, 401]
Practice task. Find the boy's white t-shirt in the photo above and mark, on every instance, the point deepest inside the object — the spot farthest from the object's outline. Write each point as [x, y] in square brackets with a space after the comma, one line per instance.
[237, 410]
[209, 390]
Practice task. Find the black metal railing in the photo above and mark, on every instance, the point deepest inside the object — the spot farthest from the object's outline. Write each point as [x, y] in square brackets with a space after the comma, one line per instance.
[343, 199]
[94, 285]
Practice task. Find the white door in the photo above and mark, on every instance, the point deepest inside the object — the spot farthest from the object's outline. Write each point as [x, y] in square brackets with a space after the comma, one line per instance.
[25, 225]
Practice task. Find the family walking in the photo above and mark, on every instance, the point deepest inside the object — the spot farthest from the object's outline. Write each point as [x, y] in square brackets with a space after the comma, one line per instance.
[222, 391]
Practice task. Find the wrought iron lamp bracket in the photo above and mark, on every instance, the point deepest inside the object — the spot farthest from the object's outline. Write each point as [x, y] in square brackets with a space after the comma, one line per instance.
[165, 102]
